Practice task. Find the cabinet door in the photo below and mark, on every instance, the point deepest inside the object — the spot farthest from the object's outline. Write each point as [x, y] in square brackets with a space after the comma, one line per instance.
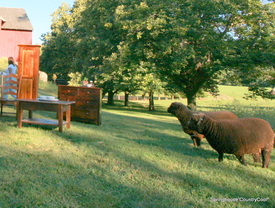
[28, 68]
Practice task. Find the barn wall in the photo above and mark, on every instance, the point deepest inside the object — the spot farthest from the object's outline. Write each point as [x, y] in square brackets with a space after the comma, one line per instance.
[10, 39]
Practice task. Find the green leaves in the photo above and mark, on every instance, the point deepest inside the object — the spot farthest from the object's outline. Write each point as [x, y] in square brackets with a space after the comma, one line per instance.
[183, 43]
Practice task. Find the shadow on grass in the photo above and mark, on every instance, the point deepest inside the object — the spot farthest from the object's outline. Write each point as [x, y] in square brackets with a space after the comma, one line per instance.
[146, 133]
[114, 177]
[141, 106]
[151, 133]
[145, 127]
[185, 180]
[87, 187]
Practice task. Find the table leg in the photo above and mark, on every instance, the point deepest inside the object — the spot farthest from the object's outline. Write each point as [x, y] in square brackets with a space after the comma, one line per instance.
[30, 113]
[19, 115]
[60, 117]
[68, 116]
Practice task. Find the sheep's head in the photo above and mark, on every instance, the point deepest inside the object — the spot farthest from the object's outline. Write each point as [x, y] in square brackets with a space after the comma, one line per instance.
[177, 109]
[196, 122]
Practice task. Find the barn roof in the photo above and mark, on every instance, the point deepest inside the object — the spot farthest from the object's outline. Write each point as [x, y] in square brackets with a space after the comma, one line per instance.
[15, 19]
[1, 18]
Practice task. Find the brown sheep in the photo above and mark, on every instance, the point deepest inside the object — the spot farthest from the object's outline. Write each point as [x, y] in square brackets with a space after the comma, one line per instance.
[238, 136]
[184, 114]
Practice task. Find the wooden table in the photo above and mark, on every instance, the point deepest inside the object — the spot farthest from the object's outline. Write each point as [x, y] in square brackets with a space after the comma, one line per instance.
[35, 105]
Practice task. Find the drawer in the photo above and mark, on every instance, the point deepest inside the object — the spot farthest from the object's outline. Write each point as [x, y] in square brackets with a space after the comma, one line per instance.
[68, 91]
[66, 97]
[85, 114]
[89, 93]
[88, 120]
[87, 103]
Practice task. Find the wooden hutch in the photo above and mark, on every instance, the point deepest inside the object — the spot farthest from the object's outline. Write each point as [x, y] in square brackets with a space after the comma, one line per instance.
[28, 68]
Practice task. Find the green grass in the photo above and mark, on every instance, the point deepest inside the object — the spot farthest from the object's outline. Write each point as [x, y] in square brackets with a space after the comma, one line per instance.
[136, 158]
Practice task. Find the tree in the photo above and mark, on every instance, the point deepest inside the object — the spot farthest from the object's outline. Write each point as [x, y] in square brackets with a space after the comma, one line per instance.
[262, 78]
[190, 42]
[102, 50]
[58, 48]
[260, 85]
[185, 43]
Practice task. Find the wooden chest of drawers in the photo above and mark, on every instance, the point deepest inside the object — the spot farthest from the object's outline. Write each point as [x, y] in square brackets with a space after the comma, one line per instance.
[88, 102]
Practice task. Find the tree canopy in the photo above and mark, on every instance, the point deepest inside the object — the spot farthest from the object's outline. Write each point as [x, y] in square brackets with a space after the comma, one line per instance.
[185, 44]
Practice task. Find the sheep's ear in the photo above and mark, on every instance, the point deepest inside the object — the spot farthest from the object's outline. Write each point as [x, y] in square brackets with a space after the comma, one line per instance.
[200, 120]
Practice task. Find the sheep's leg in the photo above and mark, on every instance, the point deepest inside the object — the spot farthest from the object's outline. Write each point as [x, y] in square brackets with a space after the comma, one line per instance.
[256, 157]
[195, 136]
[194, 140]
[195, 143]
[198, 141]
[241, 159]
[220, 157]
[265, 158]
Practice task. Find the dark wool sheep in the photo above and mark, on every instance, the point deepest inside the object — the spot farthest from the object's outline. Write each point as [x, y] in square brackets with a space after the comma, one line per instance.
[184, 114]
[238, 136]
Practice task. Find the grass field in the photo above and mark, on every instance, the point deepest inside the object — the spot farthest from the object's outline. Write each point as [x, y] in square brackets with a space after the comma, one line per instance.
[136, 158]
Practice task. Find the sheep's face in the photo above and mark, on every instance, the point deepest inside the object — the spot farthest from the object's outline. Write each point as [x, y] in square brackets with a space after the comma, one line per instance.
[177, 108]
[195, 122]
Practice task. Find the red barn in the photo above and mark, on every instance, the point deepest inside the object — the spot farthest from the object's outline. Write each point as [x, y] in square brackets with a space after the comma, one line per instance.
[15, 29]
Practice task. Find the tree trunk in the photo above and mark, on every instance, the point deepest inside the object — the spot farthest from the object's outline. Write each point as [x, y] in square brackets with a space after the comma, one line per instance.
[126, 99]
[110, 100]
[143, 96]
[272, 92]
[191, 101]
[151, 101]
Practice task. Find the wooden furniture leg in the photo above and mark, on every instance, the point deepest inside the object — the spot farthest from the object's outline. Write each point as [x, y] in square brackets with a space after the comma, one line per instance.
[68, 117]
[30, 113]
[19, 115]
[60, 117]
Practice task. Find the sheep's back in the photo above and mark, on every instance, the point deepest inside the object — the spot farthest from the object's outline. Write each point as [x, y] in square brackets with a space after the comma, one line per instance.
[220, 114]
[241, 136]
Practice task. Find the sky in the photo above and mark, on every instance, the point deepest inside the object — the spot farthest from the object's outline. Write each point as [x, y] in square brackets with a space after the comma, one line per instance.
[39, 13]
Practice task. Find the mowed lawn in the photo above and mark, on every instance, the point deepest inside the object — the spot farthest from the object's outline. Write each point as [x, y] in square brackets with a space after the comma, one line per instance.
[136, 158]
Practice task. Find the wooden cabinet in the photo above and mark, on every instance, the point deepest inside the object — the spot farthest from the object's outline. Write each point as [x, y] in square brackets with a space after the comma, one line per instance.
[28, 68]
[88, 102]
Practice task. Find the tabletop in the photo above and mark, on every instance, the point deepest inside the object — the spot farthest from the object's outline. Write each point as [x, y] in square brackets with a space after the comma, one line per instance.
[46, 101]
